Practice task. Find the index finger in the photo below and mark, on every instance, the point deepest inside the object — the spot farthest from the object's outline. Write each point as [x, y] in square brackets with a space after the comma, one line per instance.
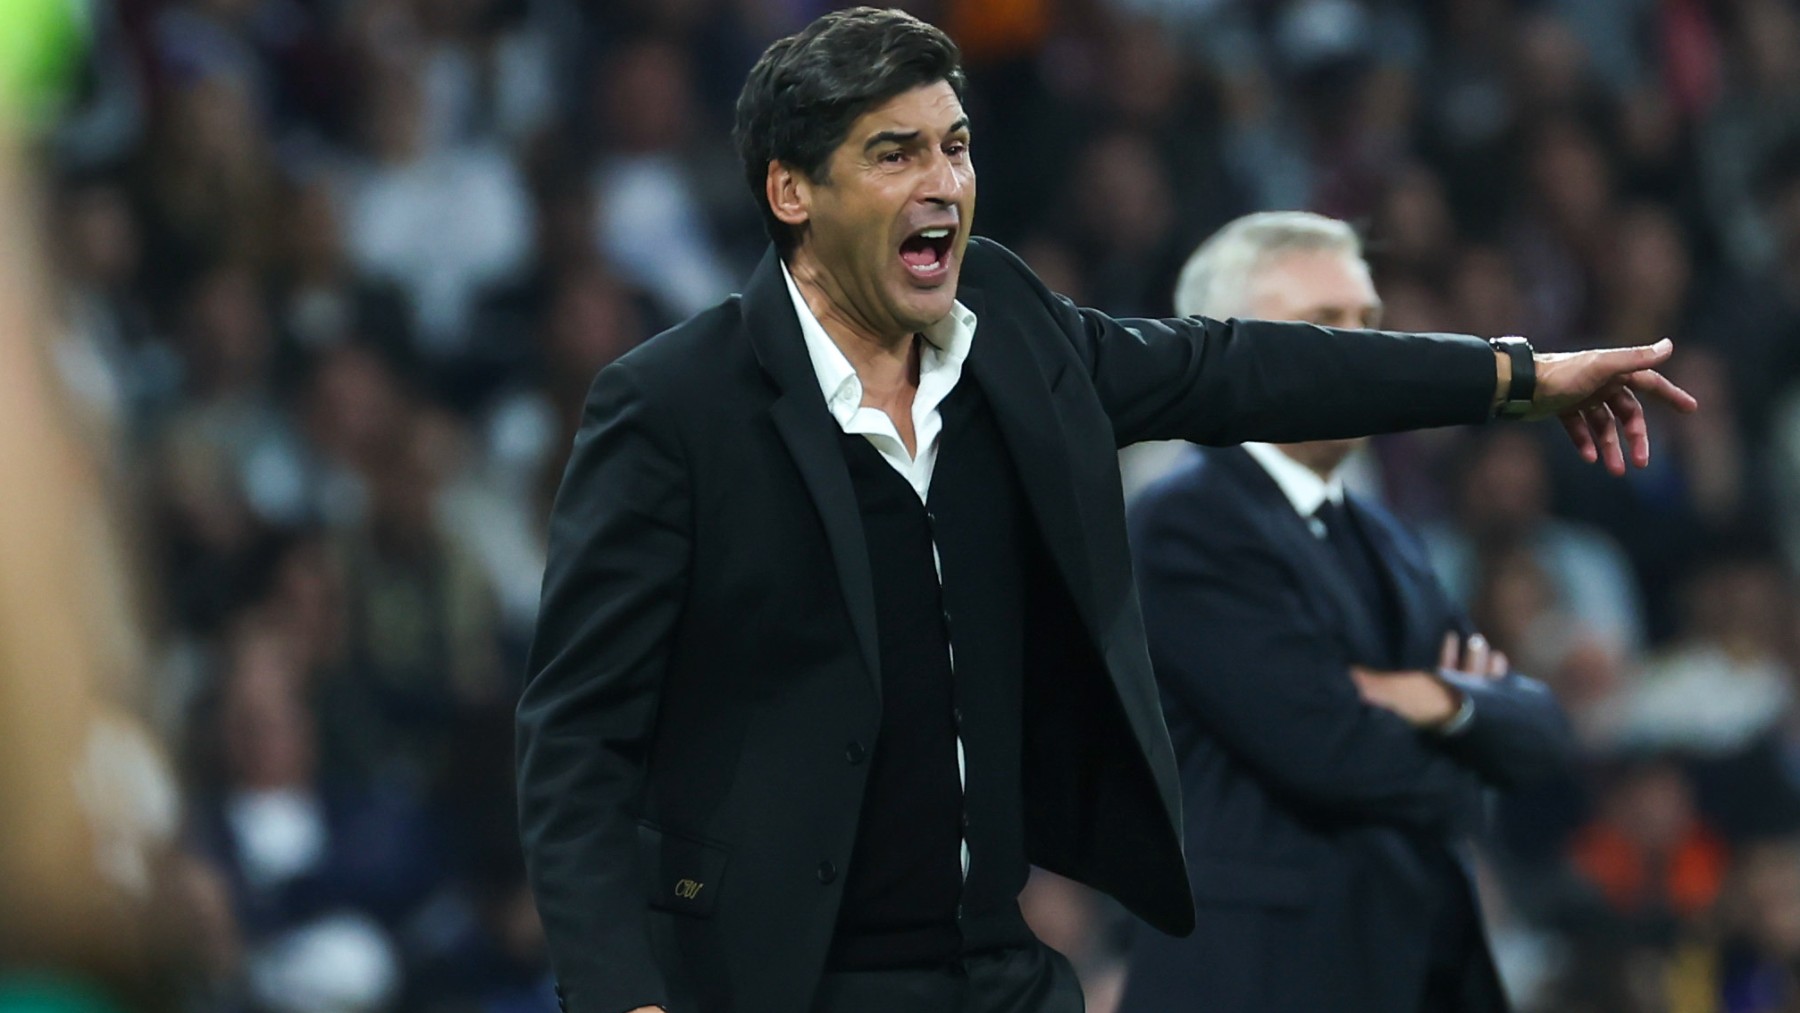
[1635, 358]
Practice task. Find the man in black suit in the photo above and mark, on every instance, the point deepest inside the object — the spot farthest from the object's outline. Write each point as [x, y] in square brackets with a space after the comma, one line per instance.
[839, 630]
[1333, 714]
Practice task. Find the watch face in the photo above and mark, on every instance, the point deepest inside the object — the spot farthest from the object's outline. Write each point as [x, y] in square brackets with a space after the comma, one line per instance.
[1523, 384]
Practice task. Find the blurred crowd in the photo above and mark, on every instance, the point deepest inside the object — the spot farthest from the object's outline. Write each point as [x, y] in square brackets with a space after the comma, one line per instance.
[332, 278]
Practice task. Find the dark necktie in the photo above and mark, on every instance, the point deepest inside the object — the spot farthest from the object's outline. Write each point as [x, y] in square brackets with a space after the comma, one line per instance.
[1364, 570]
[1453, 920]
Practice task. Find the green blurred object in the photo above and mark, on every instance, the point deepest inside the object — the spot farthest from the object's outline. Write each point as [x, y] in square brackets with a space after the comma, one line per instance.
[35, 994]
[41, 47]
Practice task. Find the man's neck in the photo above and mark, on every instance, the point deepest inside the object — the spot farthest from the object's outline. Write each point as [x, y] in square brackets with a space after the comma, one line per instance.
[1324, 465]
[885, 363]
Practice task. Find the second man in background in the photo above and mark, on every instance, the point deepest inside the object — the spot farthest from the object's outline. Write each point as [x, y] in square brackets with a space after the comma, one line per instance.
[1334, 716]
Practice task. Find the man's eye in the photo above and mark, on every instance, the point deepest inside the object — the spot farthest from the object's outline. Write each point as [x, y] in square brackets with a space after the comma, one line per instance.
[956, 148]
[894, 157]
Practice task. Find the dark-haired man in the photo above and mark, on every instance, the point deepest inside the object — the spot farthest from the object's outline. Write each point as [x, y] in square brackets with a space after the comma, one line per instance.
[838, 632]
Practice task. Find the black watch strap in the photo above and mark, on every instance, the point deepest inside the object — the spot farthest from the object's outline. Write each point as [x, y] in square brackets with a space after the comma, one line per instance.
[1524, 377]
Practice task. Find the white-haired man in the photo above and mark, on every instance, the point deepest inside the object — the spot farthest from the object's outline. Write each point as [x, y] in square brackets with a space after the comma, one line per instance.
[1334, 716]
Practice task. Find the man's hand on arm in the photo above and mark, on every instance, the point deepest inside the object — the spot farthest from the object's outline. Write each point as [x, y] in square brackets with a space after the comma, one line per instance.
[1595, 395]
[1424, 699]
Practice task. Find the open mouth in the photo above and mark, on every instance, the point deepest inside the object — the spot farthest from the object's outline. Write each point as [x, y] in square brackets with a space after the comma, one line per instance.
[926, 253]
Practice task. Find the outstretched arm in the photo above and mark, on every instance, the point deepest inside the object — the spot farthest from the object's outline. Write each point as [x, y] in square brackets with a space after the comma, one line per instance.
[1220, 382]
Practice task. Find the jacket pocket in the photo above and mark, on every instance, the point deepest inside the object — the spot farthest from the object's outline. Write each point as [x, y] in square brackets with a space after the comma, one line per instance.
[1234, 883]
[682, 872]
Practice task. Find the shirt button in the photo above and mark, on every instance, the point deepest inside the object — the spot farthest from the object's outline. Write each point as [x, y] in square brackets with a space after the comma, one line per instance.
[827, 872]
[965, 821]
[956, 716]
[854, 752]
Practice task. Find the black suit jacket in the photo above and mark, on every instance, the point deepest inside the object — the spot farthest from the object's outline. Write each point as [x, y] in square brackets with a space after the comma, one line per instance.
[1316, 825]
[704, 679]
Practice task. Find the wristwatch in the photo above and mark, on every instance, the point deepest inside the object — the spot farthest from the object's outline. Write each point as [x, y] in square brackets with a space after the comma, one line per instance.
[1524, 377]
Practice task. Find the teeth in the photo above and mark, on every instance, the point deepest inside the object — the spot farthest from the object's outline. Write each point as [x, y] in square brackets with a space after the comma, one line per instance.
[934, 233]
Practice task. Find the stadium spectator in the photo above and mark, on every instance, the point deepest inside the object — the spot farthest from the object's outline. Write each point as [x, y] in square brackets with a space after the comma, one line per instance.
[653, 185]
[1727, 681]
[438, 220]
[1648, 854]
[321, 875]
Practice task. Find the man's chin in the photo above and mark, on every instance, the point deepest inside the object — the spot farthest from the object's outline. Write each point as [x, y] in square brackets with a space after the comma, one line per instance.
[924, 313]
[929, 305]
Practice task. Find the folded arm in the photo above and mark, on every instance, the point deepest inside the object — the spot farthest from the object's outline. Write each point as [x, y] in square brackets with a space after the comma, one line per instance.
[1516, 733]
[1233, 642]
[1505, 727]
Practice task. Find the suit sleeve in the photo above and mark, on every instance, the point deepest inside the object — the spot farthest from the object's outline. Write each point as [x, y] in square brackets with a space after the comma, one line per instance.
[1517, 732]
[1235, 645]
[1223, 382]
[618, 560]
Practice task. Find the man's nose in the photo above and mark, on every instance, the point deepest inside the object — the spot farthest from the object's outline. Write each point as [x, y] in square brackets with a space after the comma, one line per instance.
[943, 184]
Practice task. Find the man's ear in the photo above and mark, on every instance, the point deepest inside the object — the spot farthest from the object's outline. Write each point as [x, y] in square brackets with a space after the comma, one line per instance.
[789, 193]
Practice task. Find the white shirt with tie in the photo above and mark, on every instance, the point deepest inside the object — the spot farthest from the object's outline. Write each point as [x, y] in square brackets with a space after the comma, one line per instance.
[1307, 492]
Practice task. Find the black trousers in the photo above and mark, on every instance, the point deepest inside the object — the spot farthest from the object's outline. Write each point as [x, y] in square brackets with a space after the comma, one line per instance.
[1020, 979]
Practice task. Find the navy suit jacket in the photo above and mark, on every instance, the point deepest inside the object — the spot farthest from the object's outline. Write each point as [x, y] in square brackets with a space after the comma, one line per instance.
[1311, 817]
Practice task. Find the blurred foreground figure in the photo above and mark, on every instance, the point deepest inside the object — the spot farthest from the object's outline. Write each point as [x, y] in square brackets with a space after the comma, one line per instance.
[88, 809]
[1334, 716]
[838, 633]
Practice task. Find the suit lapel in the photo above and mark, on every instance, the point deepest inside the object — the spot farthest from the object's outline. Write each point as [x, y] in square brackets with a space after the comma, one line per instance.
[811, 436]
[1421, 621]
[1318, 561]
[1001, 360]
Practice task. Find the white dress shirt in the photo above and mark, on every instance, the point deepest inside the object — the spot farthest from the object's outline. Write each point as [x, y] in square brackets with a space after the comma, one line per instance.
[1301, 485]
[940, 367]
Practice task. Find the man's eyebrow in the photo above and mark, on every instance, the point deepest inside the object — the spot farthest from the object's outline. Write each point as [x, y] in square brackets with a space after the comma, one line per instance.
[901, 137]
[904, 137]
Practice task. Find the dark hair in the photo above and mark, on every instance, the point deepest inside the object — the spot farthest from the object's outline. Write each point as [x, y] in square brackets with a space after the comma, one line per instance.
[807, 89]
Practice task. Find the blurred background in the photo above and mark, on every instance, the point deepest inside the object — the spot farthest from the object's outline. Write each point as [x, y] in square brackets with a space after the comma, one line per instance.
[323, 282]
